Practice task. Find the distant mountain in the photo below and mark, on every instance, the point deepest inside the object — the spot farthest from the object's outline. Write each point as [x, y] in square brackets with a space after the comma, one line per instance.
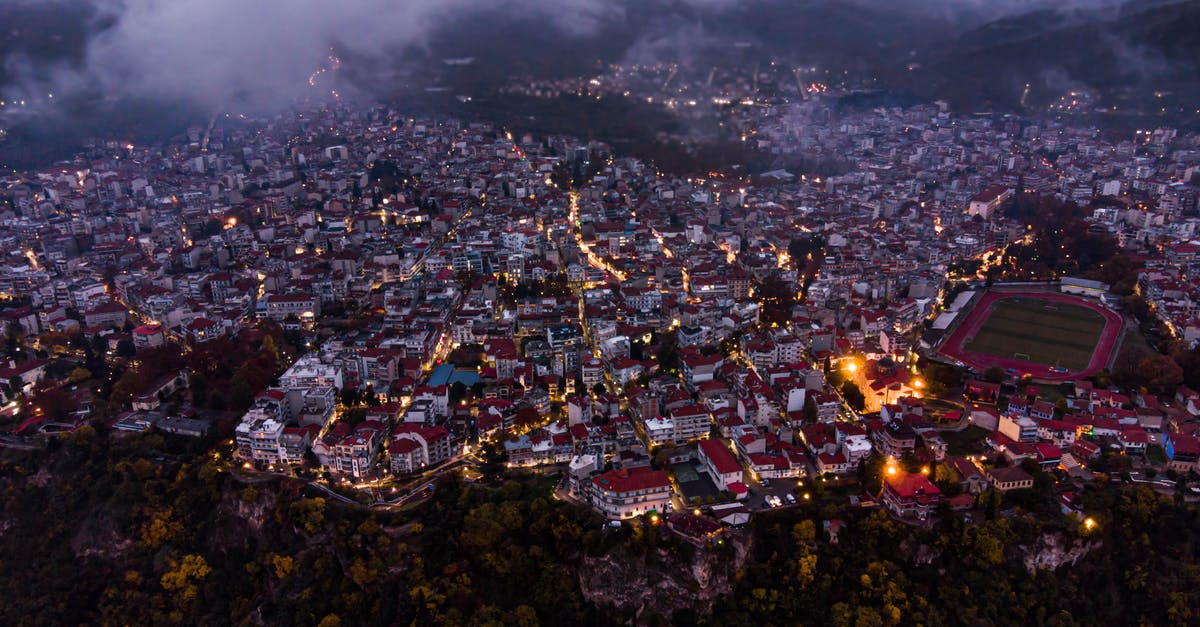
[1123, 53]
[1139, 56]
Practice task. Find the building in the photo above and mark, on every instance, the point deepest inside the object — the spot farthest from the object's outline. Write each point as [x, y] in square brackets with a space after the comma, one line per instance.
[309, 371]
[897, 439]
[258, 439]
[970, 476]
[987, 201]
[910, 495]
[354, 454]
[1018, 428]
[690, 422]
[1083, 287]
[148, 336]
[720, 464]
[415, 447]
[1182, 450]
[279, 307]
[630, 492]
[1011, 478]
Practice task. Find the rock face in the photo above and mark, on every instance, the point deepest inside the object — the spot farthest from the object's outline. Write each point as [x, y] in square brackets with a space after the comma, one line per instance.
[1052, 551]
[662, 581]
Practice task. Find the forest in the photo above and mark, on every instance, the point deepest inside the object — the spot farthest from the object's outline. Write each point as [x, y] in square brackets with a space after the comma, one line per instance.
[107, 528]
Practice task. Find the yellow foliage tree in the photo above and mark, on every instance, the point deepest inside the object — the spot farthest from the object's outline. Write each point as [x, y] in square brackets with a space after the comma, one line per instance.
[184, 575]
[806, 570]
[161, 528]
[283, 565]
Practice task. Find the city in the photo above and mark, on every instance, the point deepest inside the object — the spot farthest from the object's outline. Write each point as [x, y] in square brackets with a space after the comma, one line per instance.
[904, 331]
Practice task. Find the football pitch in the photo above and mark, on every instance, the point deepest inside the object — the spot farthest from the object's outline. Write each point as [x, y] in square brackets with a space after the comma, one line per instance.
[1057, 335]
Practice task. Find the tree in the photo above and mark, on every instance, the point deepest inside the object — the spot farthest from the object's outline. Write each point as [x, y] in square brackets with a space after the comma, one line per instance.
[350, 396]
[599, 389]
[184, 576]
[526, 417]
[854, 396]
[492, 466]
[810, 409]
[241, 394]
[161, 528]
[870, 473]
[1161, 373]
[457, 391]
[986, 546]
[283, 565]
[199, 386]
[125, 348]
[777, 298]
[993, 375]
[79, 375]
[14, 385]
[802, 249]
[130, 383]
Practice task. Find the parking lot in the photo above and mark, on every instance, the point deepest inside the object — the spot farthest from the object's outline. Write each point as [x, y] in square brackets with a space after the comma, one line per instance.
[777, 487]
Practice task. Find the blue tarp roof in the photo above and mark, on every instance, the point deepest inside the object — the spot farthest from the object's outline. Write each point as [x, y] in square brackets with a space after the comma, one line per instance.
[447, 375]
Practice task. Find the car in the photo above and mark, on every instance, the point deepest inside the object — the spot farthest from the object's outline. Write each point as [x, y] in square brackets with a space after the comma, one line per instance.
[766, 483]
[791, 498]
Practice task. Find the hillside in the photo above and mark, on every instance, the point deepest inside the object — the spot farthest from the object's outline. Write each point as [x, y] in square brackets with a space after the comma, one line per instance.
[1124, 55]
[148, 530]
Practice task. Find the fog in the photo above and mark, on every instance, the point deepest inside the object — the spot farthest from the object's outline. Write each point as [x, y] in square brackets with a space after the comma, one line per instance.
[261, 54]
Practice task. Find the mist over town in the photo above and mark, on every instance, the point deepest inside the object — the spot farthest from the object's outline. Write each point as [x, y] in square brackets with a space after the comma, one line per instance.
[697, 312]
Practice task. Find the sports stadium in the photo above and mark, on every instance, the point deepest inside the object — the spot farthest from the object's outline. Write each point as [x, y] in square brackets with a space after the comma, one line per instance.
[1050, 336]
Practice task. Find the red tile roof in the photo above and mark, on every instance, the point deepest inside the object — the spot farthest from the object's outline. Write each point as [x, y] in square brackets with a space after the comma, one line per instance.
[632, 480]
[721, 458]
[907, 485]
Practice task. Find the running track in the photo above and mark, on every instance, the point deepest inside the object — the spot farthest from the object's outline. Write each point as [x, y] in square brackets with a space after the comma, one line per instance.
[954, 346]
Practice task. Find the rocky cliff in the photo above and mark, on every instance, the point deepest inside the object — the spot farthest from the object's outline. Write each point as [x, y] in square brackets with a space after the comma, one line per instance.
[662, 580]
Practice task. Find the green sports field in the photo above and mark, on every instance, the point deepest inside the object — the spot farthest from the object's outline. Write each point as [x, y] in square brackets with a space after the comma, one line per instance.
[1054, 334]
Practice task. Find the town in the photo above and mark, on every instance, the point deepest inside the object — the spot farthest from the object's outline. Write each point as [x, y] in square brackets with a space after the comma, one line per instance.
[369, 300]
